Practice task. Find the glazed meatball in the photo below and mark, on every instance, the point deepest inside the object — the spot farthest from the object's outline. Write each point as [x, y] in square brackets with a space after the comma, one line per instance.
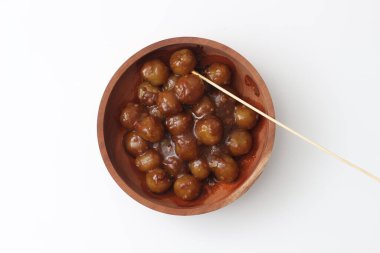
[219, 73]
[182, 62]
[187, 187]
[204, 107]
[168, 103]
[189, 89]
[169, 85]
[206, 151]
[166, 147]
[130, 114]
[224, 167]
[157, 180]
[174, 166]
[199, 168]
[154, 111]
[150, 128]
[186, 146]
[224, 108]
[179, 124]
[151, 159]
[209, 130]
[239, 142]
[147, 93]
[245, 117]
[134, 144]
[155, 72]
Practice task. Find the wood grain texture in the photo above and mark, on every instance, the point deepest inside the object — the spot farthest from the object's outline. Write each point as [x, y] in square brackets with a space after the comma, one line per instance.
[122, 89]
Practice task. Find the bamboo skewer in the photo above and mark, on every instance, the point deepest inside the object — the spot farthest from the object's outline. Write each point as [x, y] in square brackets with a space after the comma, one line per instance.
[327, 151]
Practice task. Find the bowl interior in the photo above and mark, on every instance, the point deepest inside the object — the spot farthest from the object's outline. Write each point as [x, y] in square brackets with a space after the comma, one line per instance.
[122, 89]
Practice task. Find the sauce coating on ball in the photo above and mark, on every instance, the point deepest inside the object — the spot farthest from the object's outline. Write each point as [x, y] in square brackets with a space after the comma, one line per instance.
[182, 62]
[189, 89]
[187, 187]
[186, 146]
[134, 144]
[209, 130]
[239, 142]
[168, 103]
[219, 73]
[204, 107]
[179, 124]
[149, 160]
[174, 166]
[150, 128]
[155, 72]
[245, 117]
[224, 167]
[157, 180]
[147, 93]
[199, 168]
[130, 114]
[169, 85]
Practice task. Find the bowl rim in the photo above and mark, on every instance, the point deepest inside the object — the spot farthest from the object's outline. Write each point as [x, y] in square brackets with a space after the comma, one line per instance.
[264, 156]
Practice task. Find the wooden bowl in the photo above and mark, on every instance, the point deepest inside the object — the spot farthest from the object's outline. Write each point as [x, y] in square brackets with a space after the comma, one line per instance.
[122, 89]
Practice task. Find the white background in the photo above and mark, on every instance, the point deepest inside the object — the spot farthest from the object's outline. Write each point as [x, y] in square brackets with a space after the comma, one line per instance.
[320, 60]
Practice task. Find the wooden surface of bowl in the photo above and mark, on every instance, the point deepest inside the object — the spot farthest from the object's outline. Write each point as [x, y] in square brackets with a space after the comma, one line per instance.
[122, 89]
